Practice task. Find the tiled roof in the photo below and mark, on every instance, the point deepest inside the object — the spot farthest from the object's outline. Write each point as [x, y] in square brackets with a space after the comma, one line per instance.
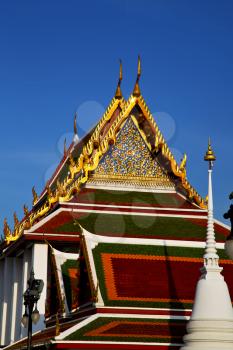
[131, 330]
[130, 224]
[150, 276]
[117, 197]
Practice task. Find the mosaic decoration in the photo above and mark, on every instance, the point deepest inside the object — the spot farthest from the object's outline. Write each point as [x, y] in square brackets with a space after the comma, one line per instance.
[129, 156]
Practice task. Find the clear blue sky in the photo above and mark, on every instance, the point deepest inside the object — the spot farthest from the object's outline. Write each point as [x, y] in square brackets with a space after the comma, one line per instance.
[57, 57]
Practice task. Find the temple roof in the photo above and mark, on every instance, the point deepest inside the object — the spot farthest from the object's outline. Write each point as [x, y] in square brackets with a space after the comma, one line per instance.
[125, 148]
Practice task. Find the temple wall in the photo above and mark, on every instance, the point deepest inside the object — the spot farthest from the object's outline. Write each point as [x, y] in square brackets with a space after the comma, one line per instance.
[1, 293]
[14, 273]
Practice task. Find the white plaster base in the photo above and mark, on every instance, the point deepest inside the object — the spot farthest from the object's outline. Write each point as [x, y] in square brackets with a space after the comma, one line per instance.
[209, 335]
[211, 324]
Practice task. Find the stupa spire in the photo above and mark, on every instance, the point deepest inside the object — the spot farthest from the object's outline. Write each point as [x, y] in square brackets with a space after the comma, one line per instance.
[118, 93]
[136, 90]
[210, 257]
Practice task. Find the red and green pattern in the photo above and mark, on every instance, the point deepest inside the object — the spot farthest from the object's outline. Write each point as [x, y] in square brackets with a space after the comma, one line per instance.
[131, 329]
[150, 276]
[141, 226]
[71, 278]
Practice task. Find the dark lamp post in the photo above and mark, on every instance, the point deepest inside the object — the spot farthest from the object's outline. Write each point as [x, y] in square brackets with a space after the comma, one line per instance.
[229, 247]
[229, 240]
[31, 297]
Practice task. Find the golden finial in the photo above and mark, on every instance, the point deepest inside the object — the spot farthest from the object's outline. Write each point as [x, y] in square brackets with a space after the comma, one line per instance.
[16, 220]
[75, 124]
[136, 90]
[209, 156]
[25, 210]
[118, 93]
[65, 149]
[6, 229]
[34, 194]
[57, 325]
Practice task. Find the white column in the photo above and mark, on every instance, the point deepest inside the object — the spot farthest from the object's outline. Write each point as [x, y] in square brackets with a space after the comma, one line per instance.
[17, 299]
[1, 292]
[6, 306]
[40, 266]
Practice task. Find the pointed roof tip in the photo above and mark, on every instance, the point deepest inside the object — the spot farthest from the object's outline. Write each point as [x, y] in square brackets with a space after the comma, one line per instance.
[120, 72]
[118, 93]
[139, 66]
[136, 90]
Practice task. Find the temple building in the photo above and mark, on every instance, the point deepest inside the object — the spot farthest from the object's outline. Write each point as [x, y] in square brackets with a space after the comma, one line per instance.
[117, 236]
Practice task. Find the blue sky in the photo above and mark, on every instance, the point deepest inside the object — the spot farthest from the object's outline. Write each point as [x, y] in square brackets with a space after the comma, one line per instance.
[61, 56]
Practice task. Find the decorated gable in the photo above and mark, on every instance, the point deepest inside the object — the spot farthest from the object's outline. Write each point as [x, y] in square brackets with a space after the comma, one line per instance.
[130, 157]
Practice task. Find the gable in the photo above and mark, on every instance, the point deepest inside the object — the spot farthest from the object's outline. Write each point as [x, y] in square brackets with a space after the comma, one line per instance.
[129, 157]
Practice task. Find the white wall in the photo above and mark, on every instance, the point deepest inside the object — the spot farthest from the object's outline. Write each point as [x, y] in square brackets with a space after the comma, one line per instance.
[14, 274]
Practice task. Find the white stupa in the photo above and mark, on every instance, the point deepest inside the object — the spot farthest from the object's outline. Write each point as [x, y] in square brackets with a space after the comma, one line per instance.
[211, 323]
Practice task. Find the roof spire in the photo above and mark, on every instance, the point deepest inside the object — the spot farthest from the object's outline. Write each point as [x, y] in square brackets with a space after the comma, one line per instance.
[75, 138]
[118, 93]
[136, 90]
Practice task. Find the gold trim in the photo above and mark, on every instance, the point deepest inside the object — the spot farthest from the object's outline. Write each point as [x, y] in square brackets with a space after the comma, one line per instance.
[90, 157]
